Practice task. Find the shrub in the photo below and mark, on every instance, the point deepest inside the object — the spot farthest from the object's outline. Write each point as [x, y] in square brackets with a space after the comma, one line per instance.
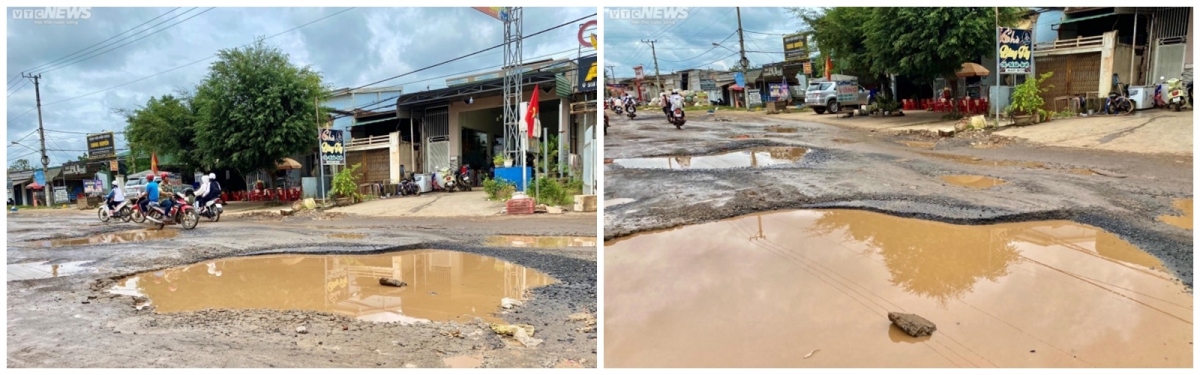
[344, 184]
[498, 189]
[1027, 97]
[549, 191]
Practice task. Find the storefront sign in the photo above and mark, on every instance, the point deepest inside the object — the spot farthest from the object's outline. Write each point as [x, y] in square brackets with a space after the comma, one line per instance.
[708, 84]
[795, 47]
[100, 146]
[39, 177]
[587, 40]
[808, 68]
[753, 98]
[113, 165]
[60, 194]
[333, 151]
[847, 92]
[637, 72]
[777, 90]
[587, 74]
[1016, 51]
[92, 187]
[772, 71]
[740, 79]
[73, 170]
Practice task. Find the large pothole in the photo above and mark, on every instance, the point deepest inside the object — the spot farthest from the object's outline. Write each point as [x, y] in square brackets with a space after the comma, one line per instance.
[441, 285]
[813, 289]
[140, 235]
[556, 242]
[748, 158]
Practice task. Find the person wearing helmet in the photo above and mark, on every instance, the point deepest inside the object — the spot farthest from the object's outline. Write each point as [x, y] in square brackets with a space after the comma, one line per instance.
[165, 194]
[676, 100]
[202, 192]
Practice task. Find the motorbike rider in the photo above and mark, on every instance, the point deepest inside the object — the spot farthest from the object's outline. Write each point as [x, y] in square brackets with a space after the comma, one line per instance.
[114, 198]
[676, 100]
[666, 103]
[202, 192]
[628, 100]
[166, 194]
[214, 187]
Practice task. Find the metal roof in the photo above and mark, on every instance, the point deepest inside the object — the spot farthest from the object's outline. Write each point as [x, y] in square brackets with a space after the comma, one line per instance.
[474, 88]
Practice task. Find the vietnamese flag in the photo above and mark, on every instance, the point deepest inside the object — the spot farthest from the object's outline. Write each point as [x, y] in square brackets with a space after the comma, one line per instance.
[828, 68]
[531, 115]
[154, 163]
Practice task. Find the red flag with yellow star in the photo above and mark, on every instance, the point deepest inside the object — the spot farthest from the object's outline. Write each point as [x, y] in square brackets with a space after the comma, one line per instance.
[531, 115]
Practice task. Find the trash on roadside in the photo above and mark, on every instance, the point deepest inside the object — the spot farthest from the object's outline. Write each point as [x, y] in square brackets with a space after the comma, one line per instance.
[387, 281]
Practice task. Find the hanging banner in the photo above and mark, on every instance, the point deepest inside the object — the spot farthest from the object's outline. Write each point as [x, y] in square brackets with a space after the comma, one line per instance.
[500, 13]
[100, 146]
[333, 151]
[795, 47]
[1016, 51]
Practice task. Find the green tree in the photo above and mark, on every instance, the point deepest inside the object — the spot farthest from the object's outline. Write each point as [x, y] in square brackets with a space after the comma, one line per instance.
[165, 126]
[930, 43]
[255, 108]
[19, 165]
[83, 157]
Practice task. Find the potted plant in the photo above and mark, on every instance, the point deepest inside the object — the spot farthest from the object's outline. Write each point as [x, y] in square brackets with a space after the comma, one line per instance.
[1027, 102]
[508, 162]
[498, 160]
[345, 189]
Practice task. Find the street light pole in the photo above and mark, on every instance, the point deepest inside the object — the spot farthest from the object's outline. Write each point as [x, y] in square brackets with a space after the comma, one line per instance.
[41, 130]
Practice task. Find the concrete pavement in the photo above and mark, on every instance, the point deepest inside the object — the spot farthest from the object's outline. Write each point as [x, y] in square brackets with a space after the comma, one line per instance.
[1154, 131]
[470, 203]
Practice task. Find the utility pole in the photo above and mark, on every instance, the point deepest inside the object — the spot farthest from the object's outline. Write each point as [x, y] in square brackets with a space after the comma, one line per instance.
[744, 62]
[657, 75]
[41, 131]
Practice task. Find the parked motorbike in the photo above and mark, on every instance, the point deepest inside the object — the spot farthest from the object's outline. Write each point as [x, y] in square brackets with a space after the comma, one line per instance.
[408, 187]
[1118, 101]
[1175, 98]
[121, 212]
[181, 213]
[448, 180]
[463, 181]
[1159, 89]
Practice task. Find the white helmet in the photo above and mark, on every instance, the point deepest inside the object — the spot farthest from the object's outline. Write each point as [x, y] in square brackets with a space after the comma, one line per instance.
[674, 91]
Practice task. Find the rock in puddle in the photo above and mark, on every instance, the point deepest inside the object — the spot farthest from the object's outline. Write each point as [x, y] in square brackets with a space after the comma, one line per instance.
[387, 281]
[912, 324]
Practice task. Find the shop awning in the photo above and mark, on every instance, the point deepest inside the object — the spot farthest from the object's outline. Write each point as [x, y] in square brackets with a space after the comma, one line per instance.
[1066, 21]
[20, 178]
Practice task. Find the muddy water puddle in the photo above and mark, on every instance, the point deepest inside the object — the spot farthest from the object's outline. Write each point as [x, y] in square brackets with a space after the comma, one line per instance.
[781, 129]
[972, 181]
[47, 270]
[749, 158]
[110, 238]
[346, 236]
[1184, 206]
[767, 290]
[442, 285]
[964, 159]
[541, 241]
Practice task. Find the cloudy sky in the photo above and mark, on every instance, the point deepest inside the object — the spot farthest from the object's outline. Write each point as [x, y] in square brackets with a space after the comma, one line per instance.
[687, 43]
[352, 47]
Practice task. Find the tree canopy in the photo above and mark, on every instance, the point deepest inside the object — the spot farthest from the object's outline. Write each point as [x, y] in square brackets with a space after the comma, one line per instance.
[254, 108]
[924, 43]
[166, 126]
[19, 165]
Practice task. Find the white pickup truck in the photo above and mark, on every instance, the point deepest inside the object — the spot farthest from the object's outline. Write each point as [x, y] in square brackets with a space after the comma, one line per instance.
[832, 96]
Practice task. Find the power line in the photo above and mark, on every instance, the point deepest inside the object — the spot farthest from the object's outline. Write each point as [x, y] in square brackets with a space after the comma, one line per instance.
[69, 63]
[709, 50]
[185, 65]
[19, 88]
[110, 38]
[523, 37]
[364, 107]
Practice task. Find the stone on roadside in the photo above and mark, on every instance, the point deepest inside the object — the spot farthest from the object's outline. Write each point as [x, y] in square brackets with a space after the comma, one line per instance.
[554, 210]
[286, 212]
[509, 303]
[912, 324]
[302, 329]
[387, 281]
[511, 329]
[310, 203]
[526, 338]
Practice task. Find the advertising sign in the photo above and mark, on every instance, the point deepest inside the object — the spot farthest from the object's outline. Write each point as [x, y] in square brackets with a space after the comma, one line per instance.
[753, 98]
[60, 194]
[740, 79]
[113, 165]
[637, 72]
[772, 71]
[708, 84]
[587, 74]
[101, 146]
[333, 151]
[1016, 51]
[74, 169]
[777, 90]
[500, 13]
[847, 91]
[795, 47]
[39, 177]
[586, 39]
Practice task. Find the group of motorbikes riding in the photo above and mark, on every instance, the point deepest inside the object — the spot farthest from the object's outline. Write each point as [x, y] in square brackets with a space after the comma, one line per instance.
[164, 206]
[672, 107]
[1173, 94]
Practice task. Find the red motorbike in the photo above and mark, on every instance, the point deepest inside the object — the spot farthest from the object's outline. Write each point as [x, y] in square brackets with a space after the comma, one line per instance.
[181, 213]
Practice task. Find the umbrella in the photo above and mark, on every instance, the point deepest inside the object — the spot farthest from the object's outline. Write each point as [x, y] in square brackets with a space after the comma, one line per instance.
[970, 69]
[288, 163]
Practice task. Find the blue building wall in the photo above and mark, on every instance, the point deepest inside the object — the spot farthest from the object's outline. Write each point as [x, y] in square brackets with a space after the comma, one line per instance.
[362, 100]
[1044, 31]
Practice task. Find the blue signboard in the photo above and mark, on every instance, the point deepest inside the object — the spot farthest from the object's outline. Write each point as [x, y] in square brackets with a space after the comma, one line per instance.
[740, 79]
[39, 176]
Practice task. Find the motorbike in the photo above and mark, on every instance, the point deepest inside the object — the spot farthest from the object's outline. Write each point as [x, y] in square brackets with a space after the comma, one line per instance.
[677, 118]
[408, 187]
[1118, 101]
[136, 213]
[463, 181]
[211, 209]
[181, 213]
[630, 109]
[617, 110]
[448, 180]
[122, 212]
[1175, 97]
[1159, 100]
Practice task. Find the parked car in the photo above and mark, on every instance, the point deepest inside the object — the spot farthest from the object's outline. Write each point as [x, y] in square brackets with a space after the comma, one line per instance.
[833, 96]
